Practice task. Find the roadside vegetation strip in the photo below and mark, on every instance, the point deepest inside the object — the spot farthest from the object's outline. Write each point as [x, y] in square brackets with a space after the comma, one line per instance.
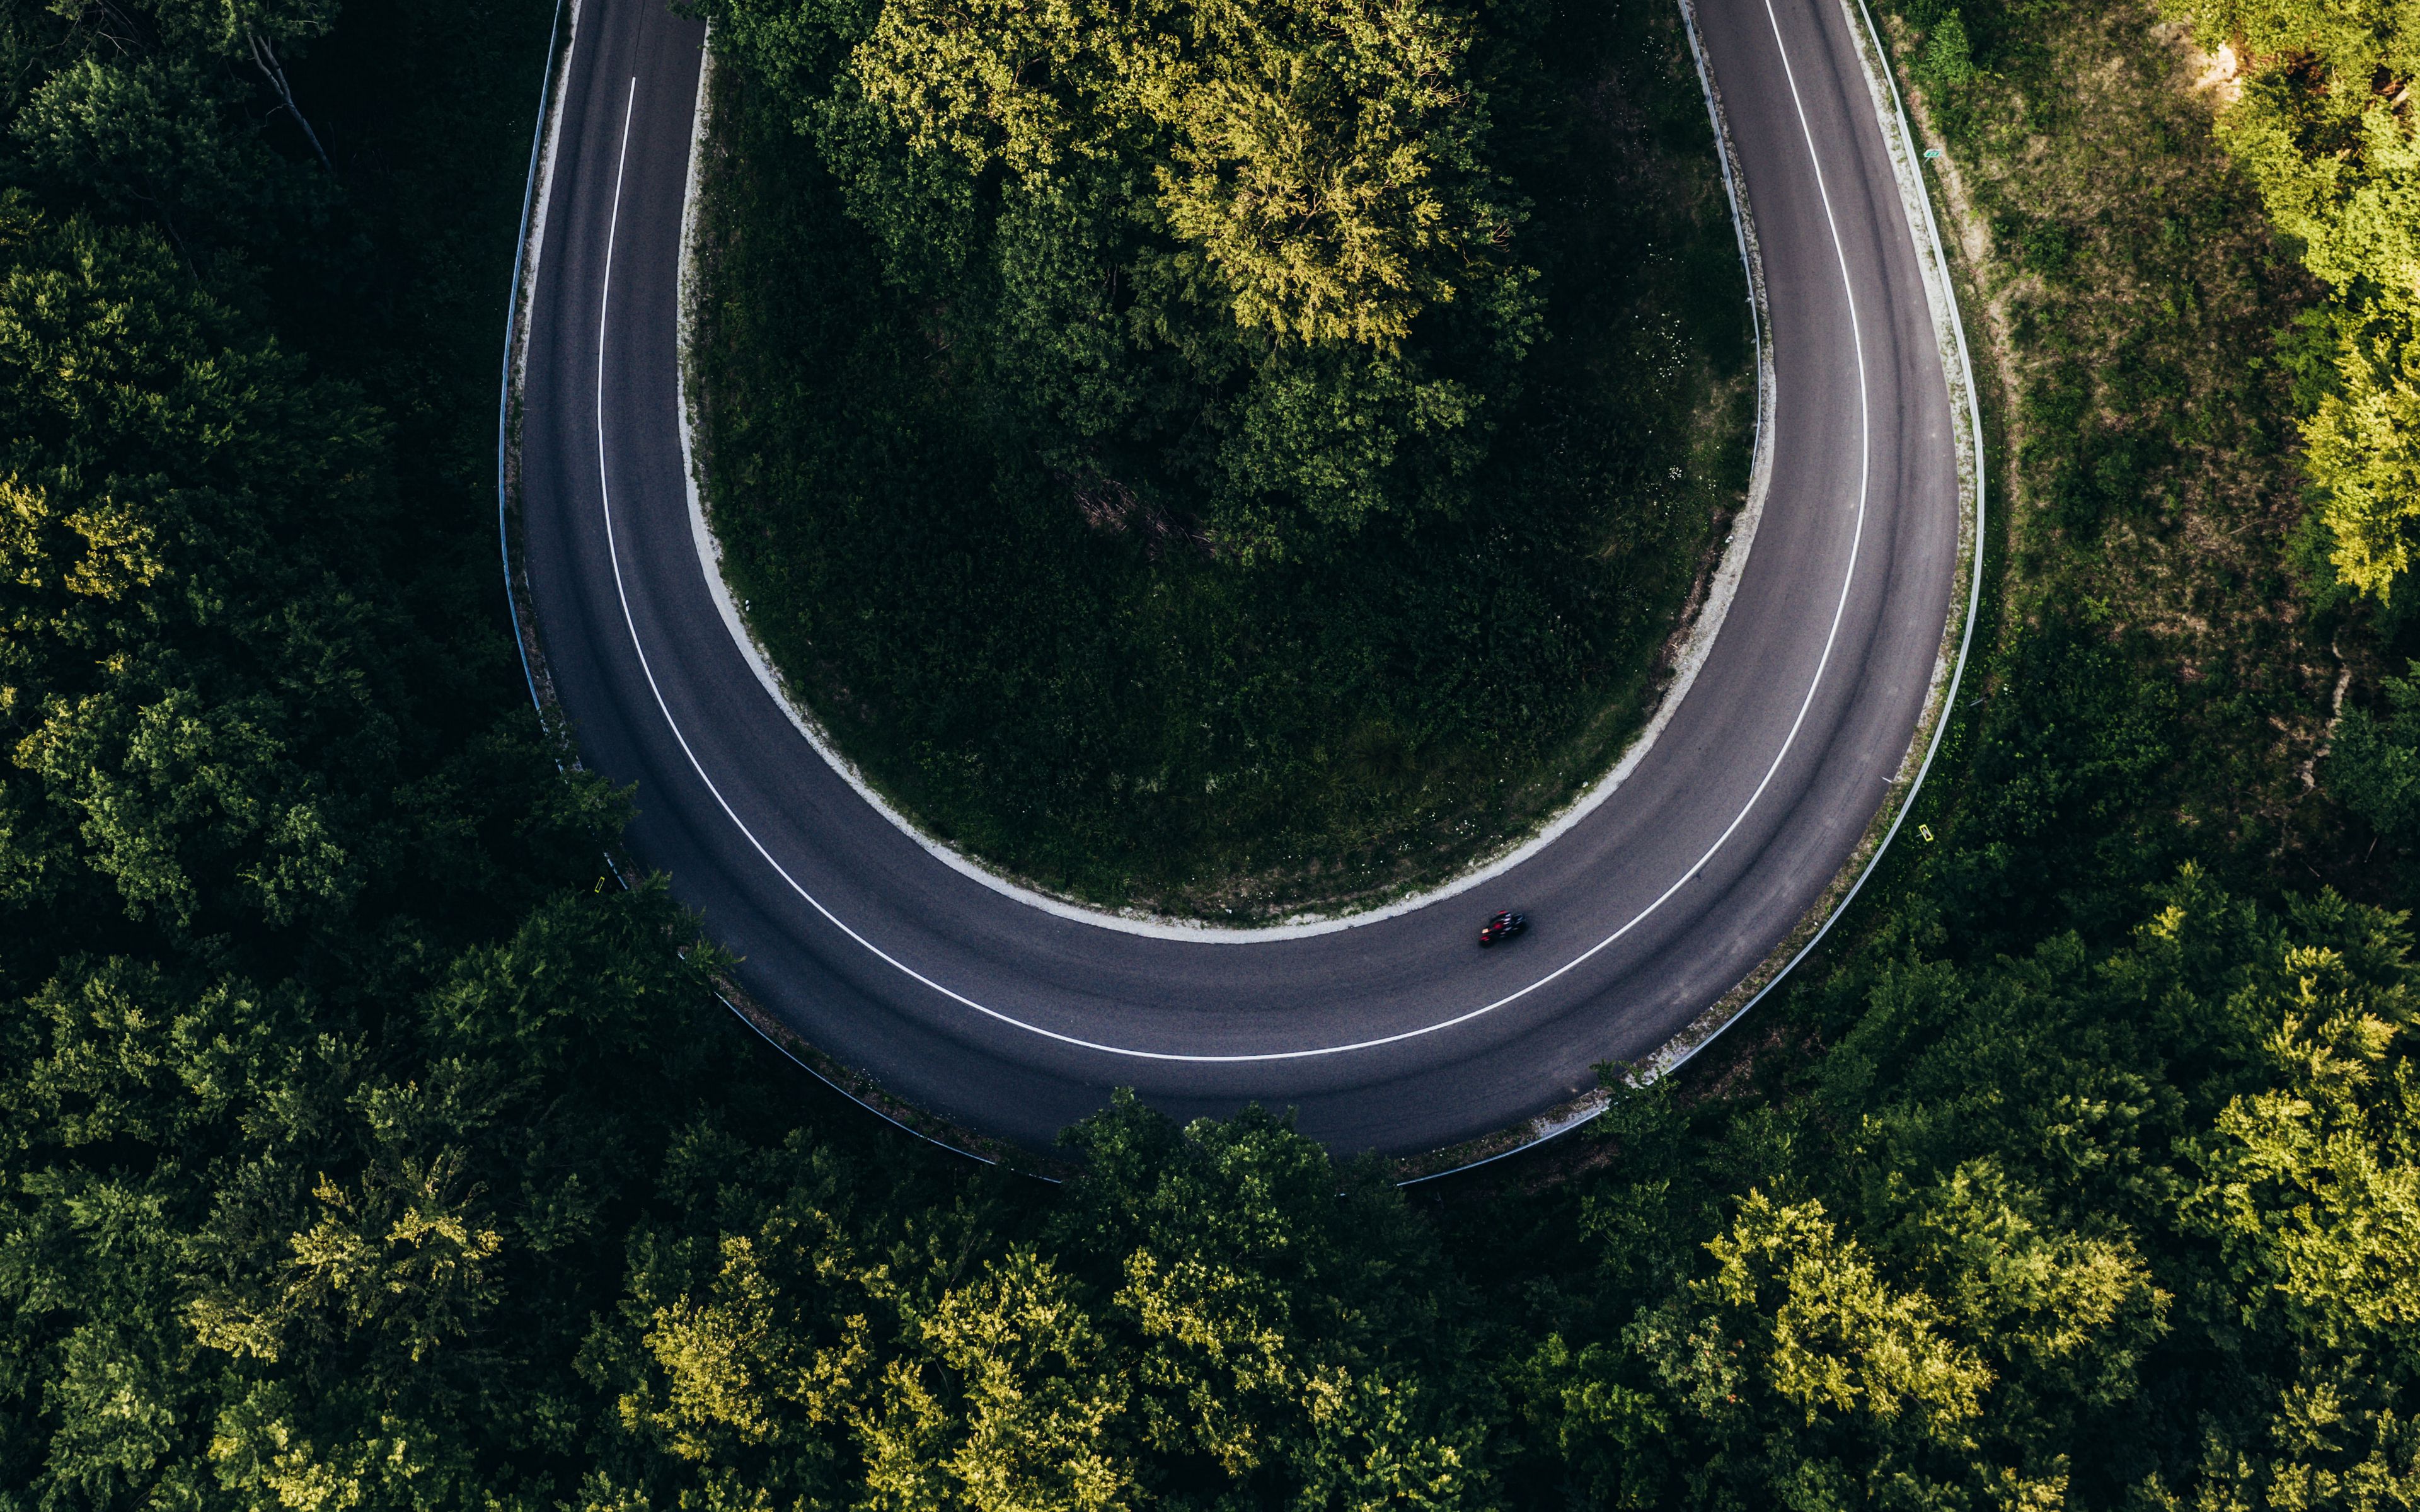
[2312, 105]
[508, 383]
[1263, 654]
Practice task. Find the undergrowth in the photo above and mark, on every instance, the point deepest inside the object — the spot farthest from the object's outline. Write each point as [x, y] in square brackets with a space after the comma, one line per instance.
[1127, 718]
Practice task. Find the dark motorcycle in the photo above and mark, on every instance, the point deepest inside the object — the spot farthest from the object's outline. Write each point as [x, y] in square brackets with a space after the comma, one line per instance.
[1502, 927]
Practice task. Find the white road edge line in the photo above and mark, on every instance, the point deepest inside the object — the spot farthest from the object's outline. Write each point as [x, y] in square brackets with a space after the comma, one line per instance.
[1814, 684]
[1939, 286]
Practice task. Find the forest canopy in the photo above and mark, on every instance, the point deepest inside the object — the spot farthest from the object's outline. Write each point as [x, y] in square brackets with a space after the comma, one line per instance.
[1245, 263]
[2084, 1173]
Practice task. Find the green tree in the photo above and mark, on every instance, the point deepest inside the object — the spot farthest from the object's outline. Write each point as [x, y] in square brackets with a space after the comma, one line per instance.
[1318, 162]
[2322, 131]
[161, 111]
[1202, 1317]
[2117, 1228]
[197, 693]
[2310, 1185]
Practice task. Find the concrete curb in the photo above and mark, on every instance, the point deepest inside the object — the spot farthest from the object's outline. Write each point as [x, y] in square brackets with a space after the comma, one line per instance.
[1695, 648]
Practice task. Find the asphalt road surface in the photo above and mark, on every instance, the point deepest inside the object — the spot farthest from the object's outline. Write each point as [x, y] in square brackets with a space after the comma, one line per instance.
[1398, 1035]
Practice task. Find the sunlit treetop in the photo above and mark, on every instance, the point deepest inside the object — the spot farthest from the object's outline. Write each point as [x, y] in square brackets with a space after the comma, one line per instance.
[1319, 159]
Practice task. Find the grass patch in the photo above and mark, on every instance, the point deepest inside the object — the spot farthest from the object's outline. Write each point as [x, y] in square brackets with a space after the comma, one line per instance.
[1119, 718]
[2151, 681]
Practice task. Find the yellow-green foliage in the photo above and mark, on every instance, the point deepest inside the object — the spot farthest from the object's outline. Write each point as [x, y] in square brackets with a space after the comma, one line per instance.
[1244, 262]
[1318, 160]
[2324, 128]
[1834, 1334]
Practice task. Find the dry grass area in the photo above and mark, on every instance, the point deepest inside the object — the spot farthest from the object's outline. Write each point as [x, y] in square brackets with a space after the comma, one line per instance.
[2137, 317]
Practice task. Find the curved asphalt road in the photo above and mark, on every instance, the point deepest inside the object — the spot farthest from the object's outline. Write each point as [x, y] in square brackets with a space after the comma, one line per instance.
[1399, 1035]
